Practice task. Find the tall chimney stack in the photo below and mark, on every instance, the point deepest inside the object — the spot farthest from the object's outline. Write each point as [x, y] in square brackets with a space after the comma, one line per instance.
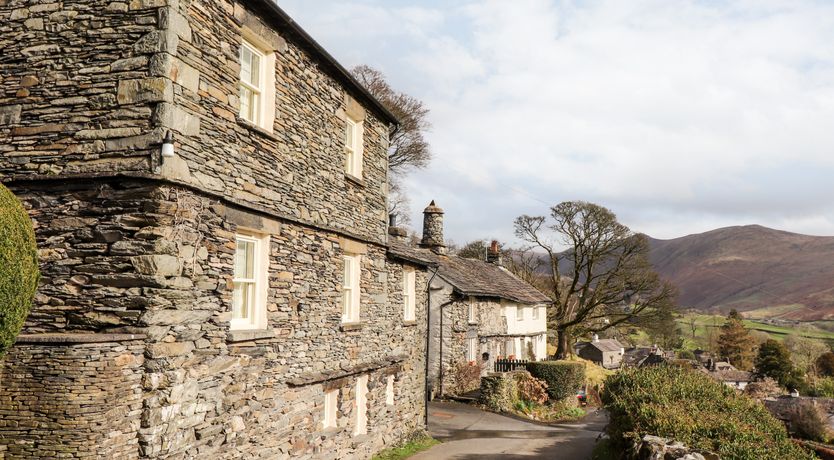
[494, 253]
[433, 229]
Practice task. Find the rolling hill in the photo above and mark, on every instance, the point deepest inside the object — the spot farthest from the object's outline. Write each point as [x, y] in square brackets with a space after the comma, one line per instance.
[764, 272]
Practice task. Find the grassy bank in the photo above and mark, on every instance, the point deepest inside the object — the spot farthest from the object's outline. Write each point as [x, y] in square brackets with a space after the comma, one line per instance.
[408, 449]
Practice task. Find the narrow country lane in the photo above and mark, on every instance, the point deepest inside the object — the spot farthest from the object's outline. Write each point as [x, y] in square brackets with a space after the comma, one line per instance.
[470, 433]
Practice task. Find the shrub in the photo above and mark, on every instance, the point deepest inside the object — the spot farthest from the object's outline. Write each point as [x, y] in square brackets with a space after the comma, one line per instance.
[823, 387]
[18, 267]
[686, 354]
[690, 407]
[530, 389]
[563, 378]
[825, 364]
[809, 422]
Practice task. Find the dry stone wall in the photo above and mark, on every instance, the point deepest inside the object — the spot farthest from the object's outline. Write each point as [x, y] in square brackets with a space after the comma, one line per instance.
[76, 397]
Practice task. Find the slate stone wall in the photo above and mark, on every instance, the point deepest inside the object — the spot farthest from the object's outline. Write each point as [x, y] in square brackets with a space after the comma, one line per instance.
[77, 92]
[132, 244]
[144, 257]
[71, 400]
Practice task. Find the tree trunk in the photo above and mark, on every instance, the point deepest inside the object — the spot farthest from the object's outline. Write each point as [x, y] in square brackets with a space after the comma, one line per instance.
[562, 343]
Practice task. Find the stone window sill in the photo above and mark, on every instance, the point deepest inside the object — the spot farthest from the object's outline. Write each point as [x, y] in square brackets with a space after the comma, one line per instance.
[351, 326]
[256, 129]
[410, 323]
[248, 335]
[356, 180]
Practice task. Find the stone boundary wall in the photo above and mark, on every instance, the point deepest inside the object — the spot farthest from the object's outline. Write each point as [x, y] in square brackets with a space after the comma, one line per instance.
[77, 396]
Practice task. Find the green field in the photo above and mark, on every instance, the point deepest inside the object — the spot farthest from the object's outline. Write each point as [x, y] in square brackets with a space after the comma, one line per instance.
[709, 324]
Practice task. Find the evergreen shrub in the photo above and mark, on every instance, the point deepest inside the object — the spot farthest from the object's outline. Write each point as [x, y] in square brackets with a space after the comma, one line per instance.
[690, 407]
[18, 267]
[563, 378]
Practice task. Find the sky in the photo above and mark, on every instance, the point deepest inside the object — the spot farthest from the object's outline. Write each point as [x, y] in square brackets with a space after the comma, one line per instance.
[679, 116]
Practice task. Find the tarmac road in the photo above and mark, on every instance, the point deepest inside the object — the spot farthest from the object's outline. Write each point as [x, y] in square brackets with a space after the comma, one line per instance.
[469, 433]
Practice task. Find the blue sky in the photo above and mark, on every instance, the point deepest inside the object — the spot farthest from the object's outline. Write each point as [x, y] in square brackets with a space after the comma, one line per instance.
[680, 116]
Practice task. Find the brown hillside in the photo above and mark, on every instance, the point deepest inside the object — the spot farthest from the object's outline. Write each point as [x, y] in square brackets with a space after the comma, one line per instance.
[751, 267]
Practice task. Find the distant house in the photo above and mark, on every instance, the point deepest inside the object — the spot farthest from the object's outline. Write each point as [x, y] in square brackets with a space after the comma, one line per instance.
[478, 310]
[608, 353]
[727, 373]
[645, 356]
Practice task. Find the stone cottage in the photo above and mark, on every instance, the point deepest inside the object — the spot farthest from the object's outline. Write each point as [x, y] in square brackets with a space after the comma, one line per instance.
[208, 187]
[608, 353]
[479, 310]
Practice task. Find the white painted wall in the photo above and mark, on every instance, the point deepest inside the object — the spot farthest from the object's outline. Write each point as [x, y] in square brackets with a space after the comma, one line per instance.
[527, 325]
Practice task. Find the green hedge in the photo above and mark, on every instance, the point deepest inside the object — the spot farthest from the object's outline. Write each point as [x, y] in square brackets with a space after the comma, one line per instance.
[18, 267]
[690, 407]
[563, 378]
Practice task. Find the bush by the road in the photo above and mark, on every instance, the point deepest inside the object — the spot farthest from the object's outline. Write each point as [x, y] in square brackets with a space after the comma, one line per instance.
[18, 267]
[563, 378]
[690, 407]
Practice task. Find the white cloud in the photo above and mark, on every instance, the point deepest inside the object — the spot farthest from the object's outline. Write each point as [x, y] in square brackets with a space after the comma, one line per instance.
[678, 115]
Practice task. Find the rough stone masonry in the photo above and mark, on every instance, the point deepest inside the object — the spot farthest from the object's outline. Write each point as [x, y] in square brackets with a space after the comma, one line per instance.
[128, 351]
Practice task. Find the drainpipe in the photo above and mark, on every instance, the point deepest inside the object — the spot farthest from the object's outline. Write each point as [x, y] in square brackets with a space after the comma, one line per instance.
[428, 340]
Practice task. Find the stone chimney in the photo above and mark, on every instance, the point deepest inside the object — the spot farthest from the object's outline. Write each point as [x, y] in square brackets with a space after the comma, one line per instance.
[493, 255]
[433, 229]
[395, 232]
[595, 338]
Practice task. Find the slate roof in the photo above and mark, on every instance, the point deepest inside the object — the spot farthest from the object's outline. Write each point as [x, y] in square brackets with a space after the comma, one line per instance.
[733, 375]
[472, 277]
[607, 345]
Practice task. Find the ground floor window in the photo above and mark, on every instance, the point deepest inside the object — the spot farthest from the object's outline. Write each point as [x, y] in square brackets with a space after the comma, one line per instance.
[472, 349]
[389, 391]
[331, 402]
[361, 406]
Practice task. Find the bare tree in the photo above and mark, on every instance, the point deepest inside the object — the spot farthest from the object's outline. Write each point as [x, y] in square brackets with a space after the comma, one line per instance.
[408, 148]
[608, 279]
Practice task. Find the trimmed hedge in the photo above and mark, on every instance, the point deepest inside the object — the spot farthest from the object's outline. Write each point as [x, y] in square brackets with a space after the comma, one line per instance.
[563, 378]
[690, 407]
[18, 267]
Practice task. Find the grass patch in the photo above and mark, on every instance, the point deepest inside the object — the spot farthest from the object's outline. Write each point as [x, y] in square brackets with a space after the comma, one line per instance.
[706, 323]
[418, 444]
[604, 450]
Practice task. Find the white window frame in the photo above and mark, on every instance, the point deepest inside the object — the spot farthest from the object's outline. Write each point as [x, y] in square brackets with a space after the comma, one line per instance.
[257, 284]
[353, 150]
[389, 390]
[472, 312]
[519, 313]
[472, 349]
[331, 404]
[536, 313]
[361, 406]
[258, 91]
[351, 295]
[409, 294]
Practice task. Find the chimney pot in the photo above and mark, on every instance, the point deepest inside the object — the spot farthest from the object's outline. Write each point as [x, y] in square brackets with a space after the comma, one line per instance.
[494, 253]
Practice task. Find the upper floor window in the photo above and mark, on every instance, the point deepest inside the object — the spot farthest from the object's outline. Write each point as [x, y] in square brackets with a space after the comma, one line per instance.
[350, 288]
[353, 147]
[409, 288]
[535, 312]
[251, 267]
[519, 313]
[252, 71]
